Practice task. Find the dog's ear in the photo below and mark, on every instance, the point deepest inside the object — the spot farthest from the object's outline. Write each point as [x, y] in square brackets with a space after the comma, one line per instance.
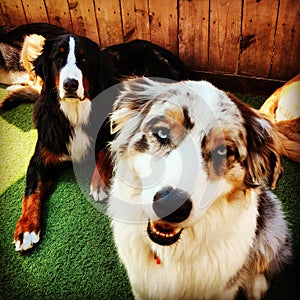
[43, 66]
[40, 65]
[131, 103]
[32, 47]
[262, 161]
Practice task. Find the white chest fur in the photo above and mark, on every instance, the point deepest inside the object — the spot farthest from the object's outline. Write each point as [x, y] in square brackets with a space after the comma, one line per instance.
[199, 266]
[78, 113]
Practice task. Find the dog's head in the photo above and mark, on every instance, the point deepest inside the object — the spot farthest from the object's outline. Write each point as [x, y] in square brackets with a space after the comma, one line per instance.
[73, 66]
[183, 146]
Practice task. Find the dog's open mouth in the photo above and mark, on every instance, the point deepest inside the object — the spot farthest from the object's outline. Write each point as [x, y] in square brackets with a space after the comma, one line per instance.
[162, 233]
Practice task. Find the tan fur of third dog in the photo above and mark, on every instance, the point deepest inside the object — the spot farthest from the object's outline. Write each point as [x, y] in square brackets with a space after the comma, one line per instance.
[282, 108]
[32, 48]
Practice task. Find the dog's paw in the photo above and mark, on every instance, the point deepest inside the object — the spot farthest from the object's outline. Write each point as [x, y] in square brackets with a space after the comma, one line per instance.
[27, 233]
[97, 193]
[98, 190]
[26, 241]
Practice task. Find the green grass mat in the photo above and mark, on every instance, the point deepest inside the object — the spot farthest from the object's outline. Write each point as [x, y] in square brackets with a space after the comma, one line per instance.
[76, 257]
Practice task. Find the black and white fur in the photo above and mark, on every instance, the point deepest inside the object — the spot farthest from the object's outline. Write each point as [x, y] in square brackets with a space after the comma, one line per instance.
[71, 72]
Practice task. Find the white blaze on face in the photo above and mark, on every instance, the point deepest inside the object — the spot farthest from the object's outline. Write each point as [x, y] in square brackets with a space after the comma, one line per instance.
[178, 169]
[71, 71]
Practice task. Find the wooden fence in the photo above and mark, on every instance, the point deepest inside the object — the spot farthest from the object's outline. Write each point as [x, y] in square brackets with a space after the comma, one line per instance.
[259, 38]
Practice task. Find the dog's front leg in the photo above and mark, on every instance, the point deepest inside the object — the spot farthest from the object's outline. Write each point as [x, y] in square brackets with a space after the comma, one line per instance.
[101, 178]
[38, 183]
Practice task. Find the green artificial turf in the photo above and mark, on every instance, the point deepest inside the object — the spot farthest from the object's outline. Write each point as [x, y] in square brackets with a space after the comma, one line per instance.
[76, 257]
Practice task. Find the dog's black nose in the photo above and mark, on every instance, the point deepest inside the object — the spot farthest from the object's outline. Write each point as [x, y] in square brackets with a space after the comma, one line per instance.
[70, 85]
[172, 205]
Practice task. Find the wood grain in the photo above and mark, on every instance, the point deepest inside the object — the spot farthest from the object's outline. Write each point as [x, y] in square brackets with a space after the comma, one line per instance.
[35, 11]
[239, 37]
[59, 14]
[135, 17]
[224, 35]
[193, 33]
[110, 28]
[258, 30]
[164, 24]
[13, 12]
[286, 61]
[83, 19]
[2, 17]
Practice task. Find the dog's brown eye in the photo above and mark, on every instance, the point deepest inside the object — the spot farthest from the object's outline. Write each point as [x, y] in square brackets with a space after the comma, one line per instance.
[82, 56]
[61, 50]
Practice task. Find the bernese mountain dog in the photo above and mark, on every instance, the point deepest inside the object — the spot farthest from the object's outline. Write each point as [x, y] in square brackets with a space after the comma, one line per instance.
[73, 71]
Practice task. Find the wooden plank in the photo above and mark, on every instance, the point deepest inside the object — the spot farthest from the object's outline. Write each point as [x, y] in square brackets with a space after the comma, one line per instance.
[286, 61]
[142, 19]
[2, 17]
[35, 11]
[108, 15]
[58, 14]
[258, 29]
[193, 33]
[164, 24]
[224, 35]
[84, 19]
[13, 12]
[128, 20]
[135, 17]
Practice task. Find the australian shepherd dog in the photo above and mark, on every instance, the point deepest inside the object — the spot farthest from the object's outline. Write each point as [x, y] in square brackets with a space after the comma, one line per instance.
[192, 217]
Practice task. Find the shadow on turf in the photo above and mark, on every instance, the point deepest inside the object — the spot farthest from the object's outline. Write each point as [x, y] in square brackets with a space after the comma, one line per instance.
[21, 117]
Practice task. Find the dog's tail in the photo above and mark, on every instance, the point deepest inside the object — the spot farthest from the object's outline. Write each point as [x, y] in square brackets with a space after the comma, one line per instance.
[26, 94]
[289, 135]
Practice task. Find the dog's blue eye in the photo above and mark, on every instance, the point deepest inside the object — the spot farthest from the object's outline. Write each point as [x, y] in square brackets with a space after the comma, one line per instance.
[162, 135]
[221, 150]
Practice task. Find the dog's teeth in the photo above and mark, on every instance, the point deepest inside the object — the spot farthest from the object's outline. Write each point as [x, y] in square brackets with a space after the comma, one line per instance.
[163, 234]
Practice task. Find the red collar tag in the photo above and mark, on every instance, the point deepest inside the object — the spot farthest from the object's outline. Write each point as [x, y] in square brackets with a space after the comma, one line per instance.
[157, 260]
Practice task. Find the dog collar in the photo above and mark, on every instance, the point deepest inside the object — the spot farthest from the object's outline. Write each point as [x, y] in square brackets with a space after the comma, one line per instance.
[157, 259]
